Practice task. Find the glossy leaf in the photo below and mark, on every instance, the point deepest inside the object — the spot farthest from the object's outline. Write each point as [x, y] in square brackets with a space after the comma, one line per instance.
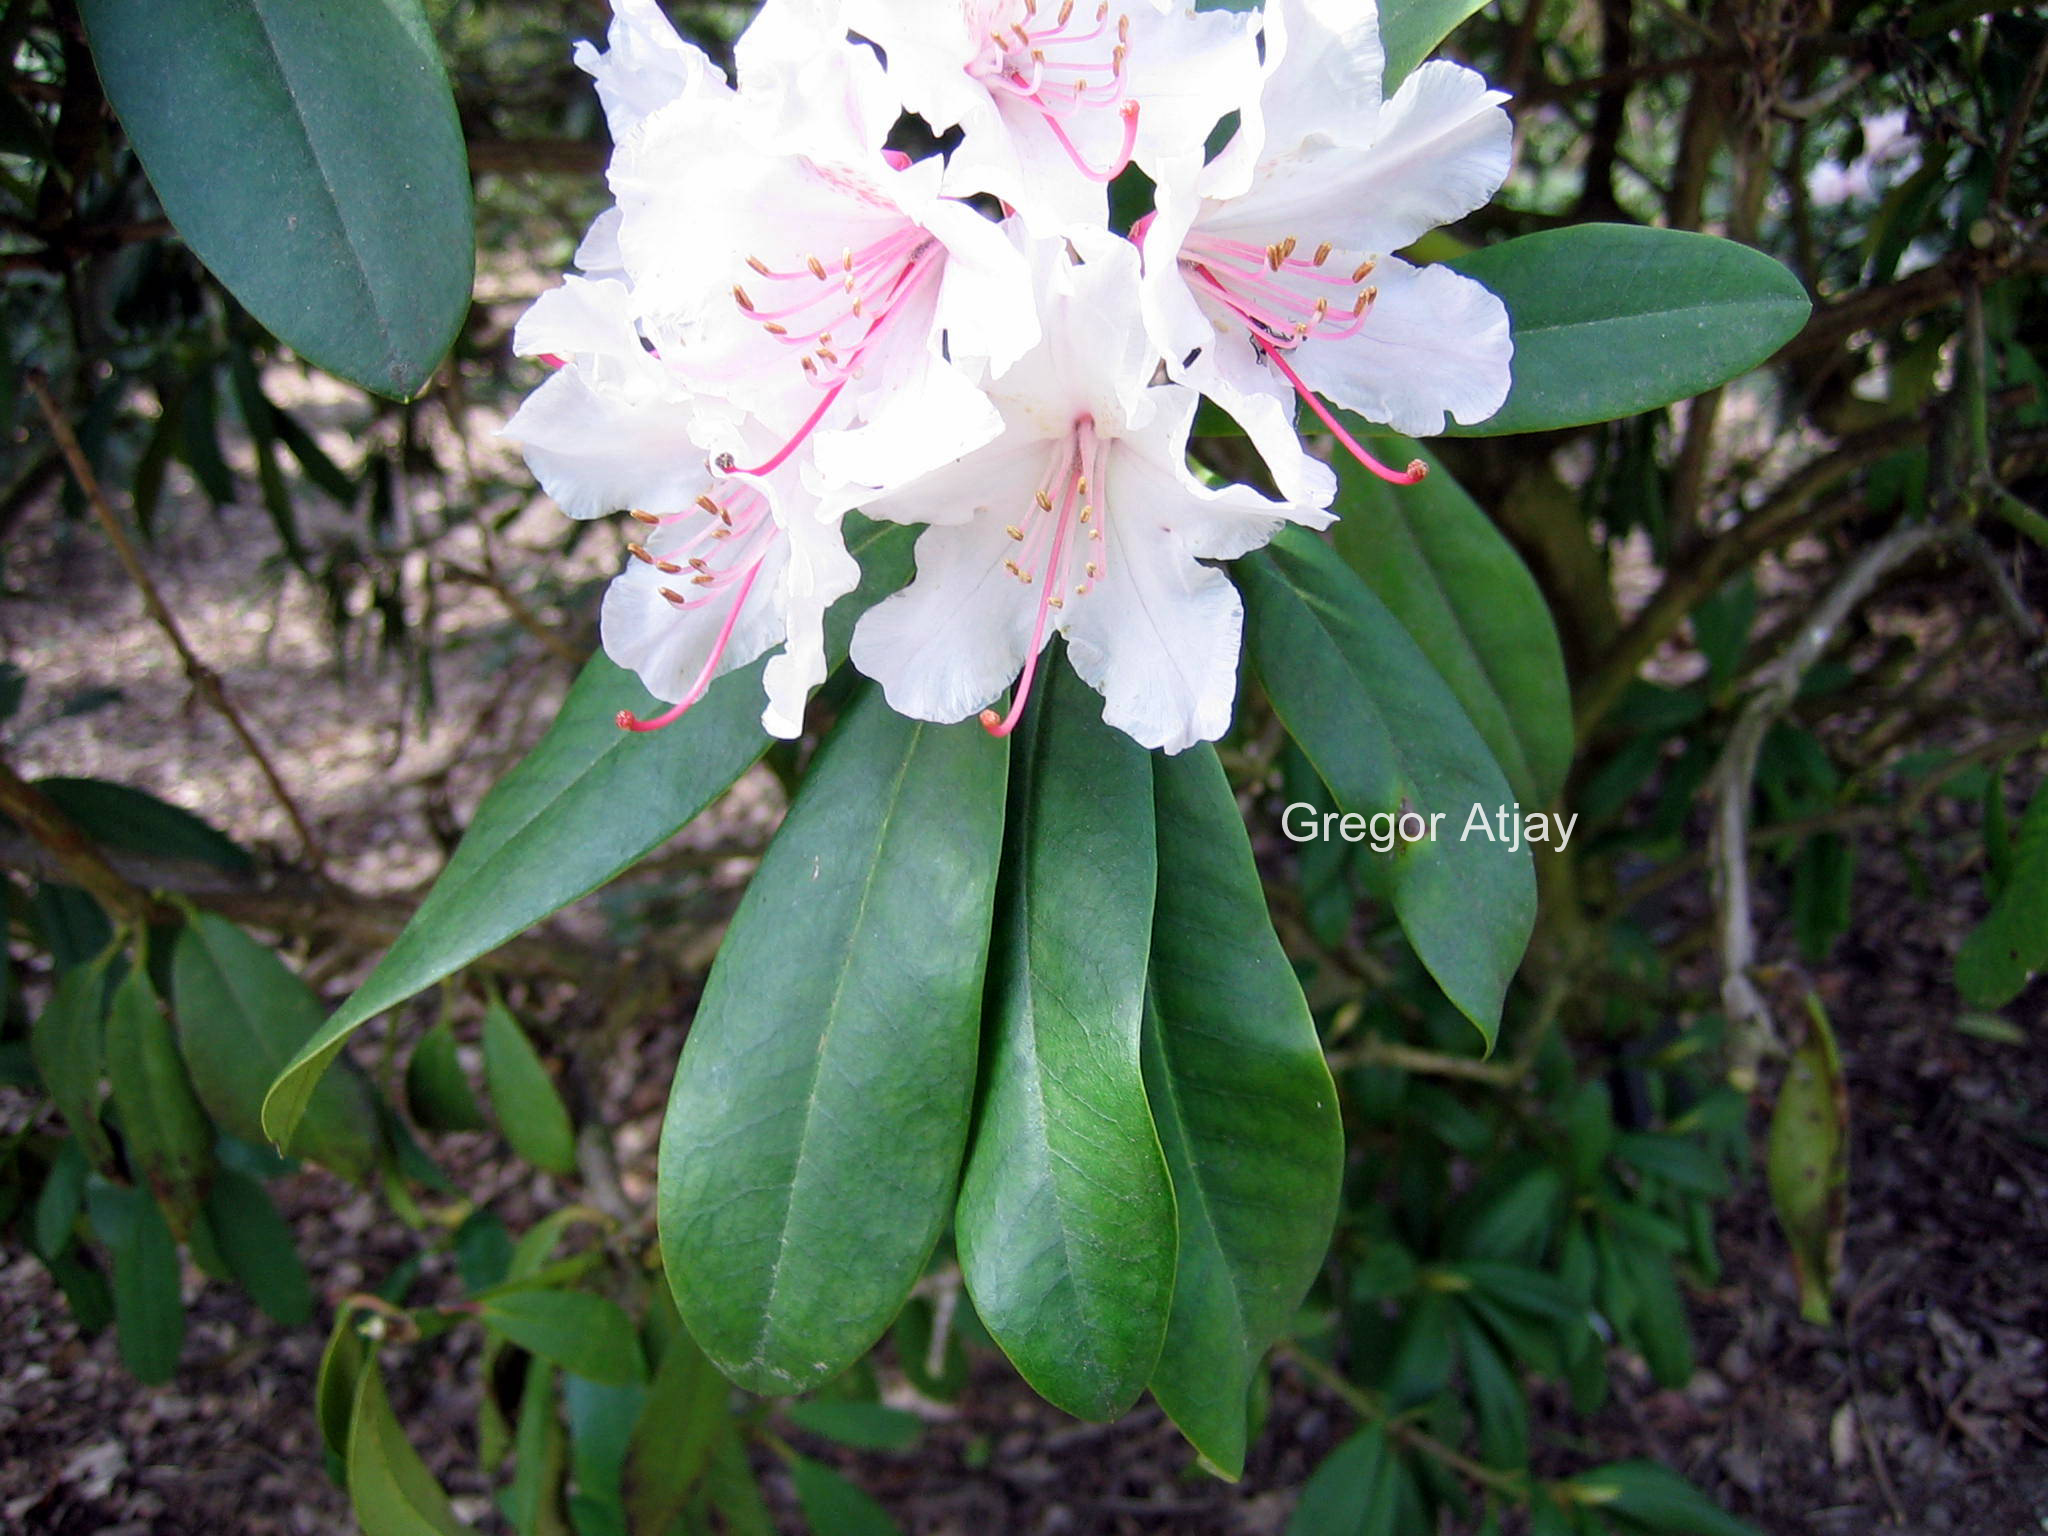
[1612, 319]
[1246, 1111]
[2012, 942]
[1658, 1500]
[601, 1421]
[60, 1200]
[685, 1420]
[437, 1091]
[1386, 733]
[579, 1332]
[334, 1388]
[169, 1139]
[586, 804]
[129, 819]
[1351, 1493]
[311, 158]
[864, 1426]
[1467, 600]
[833, 1504]
[149, 1314]
[393, 1492]
[819, 1110]
[530, 1112]
[1066, 1219]
[257, 1247]
[540, 1459]
[1410, 31]
[67, 1044]
[242, 1012]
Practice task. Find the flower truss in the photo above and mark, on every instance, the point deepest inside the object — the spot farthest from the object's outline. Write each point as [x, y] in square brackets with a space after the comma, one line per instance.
[782, 319]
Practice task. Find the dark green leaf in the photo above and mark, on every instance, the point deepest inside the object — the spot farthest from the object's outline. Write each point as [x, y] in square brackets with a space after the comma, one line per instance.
[1244, 1104]
[1066, 1219]
[1659, 1500]
[2012, 942]
[1350, 1493]
[136, 822]
[529, 1111]
[241, 1014]
[67, 1043]
[601, 1421]
[437, 1090]
[1466, 599]
[540, 1459]
[169, 1139]
[483, 1251]
[257, 1247]
[685, 1420]
[1387, 735]
[835, 1506]
[585, 804]
[577, 1331]
[1679, 1162]
[815, 1127]
[393, 1492]
[865, 1426]
[334, 1389]
[311, 157]
[149, 1314]
[1497, 1397]
[60, 1200]
[1612, 319]
[1411, 29]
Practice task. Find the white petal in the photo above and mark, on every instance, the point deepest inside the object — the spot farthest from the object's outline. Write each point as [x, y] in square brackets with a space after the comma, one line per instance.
[589, 318]
[819, 573]
[931, 418]
[597, 451]
[1149, 475]
[1186, 70]
[669, 646]
[644, 66]
[598, 255]
[1324, 64]
[1157, 636]
[948, 643]
[1442, 149]
[1436, 343]
[994, 482]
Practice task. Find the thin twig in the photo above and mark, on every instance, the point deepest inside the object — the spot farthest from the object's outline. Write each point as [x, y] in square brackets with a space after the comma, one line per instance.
[1751, 1029]
[74, 854]
[1376, 1051]
[204, 681]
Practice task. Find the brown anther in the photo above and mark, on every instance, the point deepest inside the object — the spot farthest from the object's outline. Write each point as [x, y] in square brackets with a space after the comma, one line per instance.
[721, 533]
[1023, 37]
[1066, 10]
[1093, 570]
[1085, 510]
[674, 597]
[639, 552]
[1287, 247]
[846, 257]
[1030, 9]
[1081, 590]
[1273, 257]
[703, 581]
[667, 567]
[1038, 55]
[1081, 485]
[809, 365]
[709, 506]
[856, 306]
[1359, 306]
[847, 285]
[1371, 297]
[1055, 602]
[1014, 531]
[773, 329]
[1322, 310]
[1116, 59]
[644, 517]
[1364, 270]
[1044, 502]
[828, 355]
[1095, 533]
[1102, 11]
[759, 266]
[740, 298]
[1322, 254]
[1300, 329]
[697, 563]
[817, 267]
[1123, 29]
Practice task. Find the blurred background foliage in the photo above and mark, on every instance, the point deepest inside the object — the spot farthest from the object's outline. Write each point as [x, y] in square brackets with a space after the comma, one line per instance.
[1802, 616]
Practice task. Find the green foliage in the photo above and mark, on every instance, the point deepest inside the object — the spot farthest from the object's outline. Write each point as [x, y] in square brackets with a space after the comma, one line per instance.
[818, 1113]
[530, 1112]
[325, 184]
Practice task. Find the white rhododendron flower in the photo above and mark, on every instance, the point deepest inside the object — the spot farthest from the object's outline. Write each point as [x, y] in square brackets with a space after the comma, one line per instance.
[783, 318]
[1267, 273]
[1056, 97]
[1082, 517]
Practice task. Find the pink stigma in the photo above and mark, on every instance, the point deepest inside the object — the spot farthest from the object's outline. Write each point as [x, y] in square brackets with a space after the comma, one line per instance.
[1416, 469]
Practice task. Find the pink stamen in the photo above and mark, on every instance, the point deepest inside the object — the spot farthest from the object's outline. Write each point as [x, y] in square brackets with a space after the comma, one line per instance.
[1416, 469]
[628, 721]
[1077, 464]
[781, 455]
[1130, 117]
[553, 361]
